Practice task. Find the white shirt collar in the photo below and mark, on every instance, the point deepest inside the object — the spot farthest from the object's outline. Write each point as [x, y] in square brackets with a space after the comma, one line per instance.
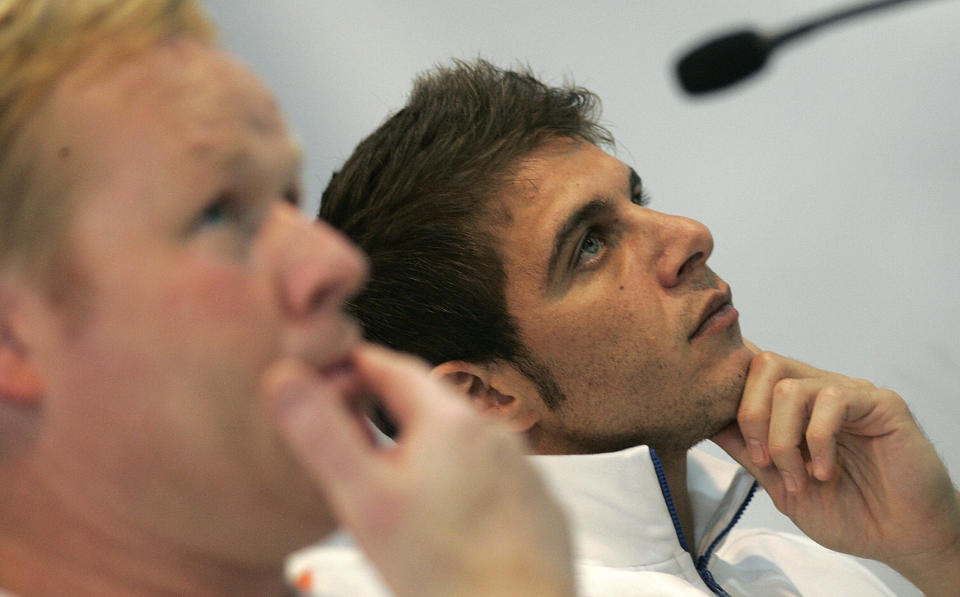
[618, 511]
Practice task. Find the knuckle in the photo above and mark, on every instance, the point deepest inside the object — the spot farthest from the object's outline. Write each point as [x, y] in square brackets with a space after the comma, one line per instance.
[831, 392]
[817, 436]
[752, 415]
[779, 449]
[764, 359]
[412, 361]
[892, 398]
[786, 389]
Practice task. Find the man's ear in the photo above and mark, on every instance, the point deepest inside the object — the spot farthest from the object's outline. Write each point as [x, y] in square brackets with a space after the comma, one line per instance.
[20, 382]
[494, 389]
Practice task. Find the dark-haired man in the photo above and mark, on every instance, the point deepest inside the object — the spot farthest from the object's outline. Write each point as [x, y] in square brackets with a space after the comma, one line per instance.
[522, 261]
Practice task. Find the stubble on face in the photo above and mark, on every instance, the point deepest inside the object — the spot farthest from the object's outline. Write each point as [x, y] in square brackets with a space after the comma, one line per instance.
[713, 403]
[617, 338]
[726, 395]
[675, 423]
[625, 393]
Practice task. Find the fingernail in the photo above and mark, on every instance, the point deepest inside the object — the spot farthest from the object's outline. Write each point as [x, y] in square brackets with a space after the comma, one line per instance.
[790, 482]
[756, 451]
[819, 468]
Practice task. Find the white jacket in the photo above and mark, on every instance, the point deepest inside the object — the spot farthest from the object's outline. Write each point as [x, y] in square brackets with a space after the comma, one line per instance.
[627, 543]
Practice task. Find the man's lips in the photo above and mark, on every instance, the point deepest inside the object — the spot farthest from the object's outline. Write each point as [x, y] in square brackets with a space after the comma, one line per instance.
[338, 368]
[342, 377]
[341, 373]
[718, 313]
[331, 351]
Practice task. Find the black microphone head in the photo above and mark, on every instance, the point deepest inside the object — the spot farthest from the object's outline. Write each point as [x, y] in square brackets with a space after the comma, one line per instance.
[722, 62]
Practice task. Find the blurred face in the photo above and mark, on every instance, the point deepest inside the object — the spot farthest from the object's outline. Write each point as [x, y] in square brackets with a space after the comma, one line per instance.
[617, 301]
[190, 273]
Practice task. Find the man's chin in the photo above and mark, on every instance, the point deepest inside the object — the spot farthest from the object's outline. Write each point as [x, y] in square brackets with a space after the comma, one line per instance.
[720, 426]
[726, 402]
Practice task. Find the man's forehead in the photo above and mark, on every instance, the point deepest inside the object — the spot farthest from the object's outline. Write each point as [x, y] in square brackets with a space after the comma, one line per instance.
[566, 164]
[547, 188]
[183, 92]
[202, 81]
[162, 128]
[558, 179]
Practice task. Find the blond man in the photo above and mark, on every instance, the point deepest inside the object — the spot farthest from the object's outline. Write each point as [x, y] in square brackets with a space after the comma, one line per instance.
[180, 393]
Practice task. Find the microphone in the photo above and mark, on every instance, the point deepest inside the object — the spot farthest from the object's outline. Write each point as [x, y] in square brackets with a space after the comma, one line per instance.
[735, 56]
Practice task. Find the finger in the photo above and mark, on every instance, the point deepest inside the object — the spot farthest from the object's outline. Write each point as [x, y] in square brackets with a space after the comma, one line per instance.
[731, 441]
[751, 346]
[766, 370]
[402, 383]
[322, 430]
[829, 413]
[794, 401]
[753, 415]
[853, 407]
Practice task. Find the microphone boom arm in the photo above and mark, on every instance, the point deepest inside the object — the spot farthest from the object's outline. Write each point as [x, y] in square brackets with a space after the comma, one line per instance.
[735, 56]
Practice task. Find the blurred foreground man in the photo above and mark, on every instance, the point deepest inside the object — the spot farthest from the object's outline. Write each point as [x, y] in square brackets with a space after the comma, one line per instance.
[525, 264]
[179, 389]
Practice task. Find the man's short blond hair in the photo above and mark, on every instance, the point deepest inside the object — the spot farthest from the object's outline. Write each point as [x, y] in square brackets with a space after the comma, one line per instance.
[41, 41]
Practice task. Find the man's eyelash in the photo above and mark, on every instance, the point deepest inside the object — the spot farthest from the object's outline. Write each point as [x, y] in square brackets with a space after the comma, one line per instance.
[641, 198]
[292, 196]
[217, 210]
[578, 253]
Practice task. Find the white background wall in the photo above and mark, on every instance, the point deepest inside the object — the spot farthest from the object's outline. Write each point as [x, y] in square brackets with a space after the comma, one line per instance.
[830, 182]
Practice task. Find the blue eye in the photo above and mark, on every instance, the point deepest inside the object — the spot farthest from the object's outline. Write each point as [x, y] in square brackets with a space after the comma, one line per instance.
[589, 248]
[217, 213]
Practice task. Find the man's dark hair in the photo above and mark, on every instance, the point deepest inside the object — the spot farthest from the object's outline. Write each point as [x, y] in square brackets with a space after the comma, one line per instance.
[416, 196]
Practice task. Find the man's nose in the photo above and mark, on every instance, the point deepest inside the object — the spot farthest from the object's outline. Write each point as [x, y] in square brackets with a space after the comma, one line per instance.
[318, 267]
[686, 245]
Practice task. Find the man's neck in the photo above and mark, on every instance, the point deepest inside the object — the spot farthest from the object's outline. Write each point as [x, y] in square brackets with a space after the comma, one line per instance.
[675, 470]
[48, 548]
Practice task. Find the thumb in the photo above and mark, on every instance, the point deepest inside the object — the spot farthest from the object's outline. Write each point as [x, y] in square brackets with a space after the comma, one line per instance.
[322, 431]
[731, 441]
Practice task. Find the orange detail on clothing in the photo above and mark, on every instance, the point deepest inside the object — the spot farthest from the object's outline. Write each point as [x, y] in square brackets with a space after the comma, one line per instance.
[304, 581]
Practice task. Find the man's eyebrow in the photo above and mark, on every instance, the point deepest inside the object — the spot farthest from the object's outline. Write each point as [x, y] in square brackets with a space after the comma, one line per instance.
[241, 159]
[588, 211]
